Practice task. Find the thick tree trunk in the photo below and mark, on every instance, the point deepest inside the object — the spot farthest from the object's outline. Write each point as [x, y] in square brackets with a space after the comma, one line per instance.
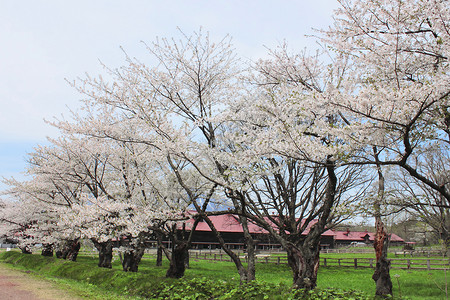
[251, 254]
[73, 250]
[105, 253]
[159, 256]
[69, 250]
[25, 250]
[186, 260]
[381, 275]
[178, 260]
[304, 265]
[131, 259]
[47, 250]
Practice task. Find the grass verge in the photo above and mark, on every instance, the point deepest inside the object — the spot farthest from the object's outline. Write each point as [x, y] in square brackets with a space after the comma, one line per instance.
[219, 280]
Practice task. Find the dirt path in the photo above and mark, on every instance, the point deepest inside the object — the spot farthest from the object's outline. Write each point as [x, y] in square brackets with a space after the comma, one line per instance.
[18, 285]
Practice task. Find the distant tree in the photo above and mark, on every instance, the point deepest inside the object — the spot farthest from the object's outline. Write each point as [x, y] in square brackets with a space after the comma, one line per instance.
[424, 203]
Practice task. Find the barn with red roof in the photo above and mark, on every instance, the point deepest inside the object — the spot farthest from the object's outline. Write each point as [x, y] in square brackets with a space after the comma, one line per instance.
[232, 233]
[345, 238]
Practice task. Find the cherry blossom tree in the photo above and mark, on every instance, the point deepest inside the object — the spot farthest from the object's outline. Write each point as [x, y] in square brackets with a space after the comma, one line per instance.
[170, 108]
[15, 225]
[395, 91]
[288, 152]
[43, 192]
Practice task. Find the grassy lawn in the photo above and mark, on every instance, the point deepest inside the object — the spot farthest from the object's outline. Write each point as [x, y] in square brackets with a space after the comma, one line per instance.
[416, 284]
[411, 284]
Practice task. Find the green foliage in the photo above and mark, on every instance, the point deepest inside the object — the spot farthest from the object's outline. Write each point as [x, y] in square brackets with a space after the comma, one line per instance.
[325, 294]
[203, 288]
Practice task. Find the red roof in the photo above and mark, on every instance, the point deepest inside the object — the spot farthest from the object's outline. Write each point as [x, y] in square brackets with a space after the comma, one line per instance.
[359, 236]
[230, 223]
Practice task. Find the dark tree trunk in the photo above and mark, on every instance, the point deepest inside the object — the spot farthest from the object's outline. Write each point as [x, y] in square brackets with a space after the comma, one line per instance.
[105, 253]
[186, 260]
[178, 260]
[304, 265]
[131, 259]
[132, 256]
[73, 251]
[25, 250]
[47, 250]
[69, 250]
[159, 255]
[251, 254]
[381, 275]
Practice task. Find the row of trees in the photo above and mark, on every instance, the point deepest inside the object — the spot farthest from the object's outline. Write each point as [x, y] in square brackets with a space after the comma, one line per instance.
[291, 143]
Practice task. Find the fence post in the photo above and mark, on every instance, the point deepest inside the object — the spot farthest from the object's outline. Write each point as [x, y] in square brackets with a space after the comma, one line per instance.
[356, 263]
[428, 264]
[339, 262]
[408, 263]
[371, 262]
[214, 256]
[278, 260]
[324, 261]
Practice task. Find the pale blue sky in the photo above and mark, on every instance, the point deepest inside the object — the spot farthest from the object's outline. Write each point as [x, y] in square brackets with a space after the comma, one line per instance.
[43, 42]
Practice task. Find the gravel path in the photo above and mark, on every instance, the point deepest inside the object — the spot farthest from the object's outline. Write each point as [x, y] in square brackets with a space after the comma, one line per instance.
[18, 285]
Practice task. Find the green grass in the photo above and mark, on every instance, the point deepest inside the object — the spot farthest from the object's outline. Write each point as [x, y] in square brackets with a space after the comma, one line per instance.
[214, 276]
[82, 289]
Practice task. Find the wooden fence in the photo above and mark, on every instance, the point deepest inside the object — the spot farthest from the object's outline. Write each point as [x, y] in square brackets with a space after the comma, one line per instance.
[429, 252]
[396, 263]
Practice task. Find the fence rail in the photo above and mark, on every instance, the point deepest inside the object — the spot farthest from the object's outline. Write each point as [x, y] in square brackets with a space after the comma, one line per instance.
[396, 263]
[417, 252]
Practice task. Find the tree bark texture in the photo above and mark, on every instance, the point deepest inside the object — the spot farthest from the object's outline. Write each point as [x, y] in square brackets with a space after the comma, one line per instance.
[47, 250]
[251, 254]
[25, 250]
[304, 265]
[69, 250]
[178, 260]
[381, 275]
[105, 253]
[159, 256]
[131, 259]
